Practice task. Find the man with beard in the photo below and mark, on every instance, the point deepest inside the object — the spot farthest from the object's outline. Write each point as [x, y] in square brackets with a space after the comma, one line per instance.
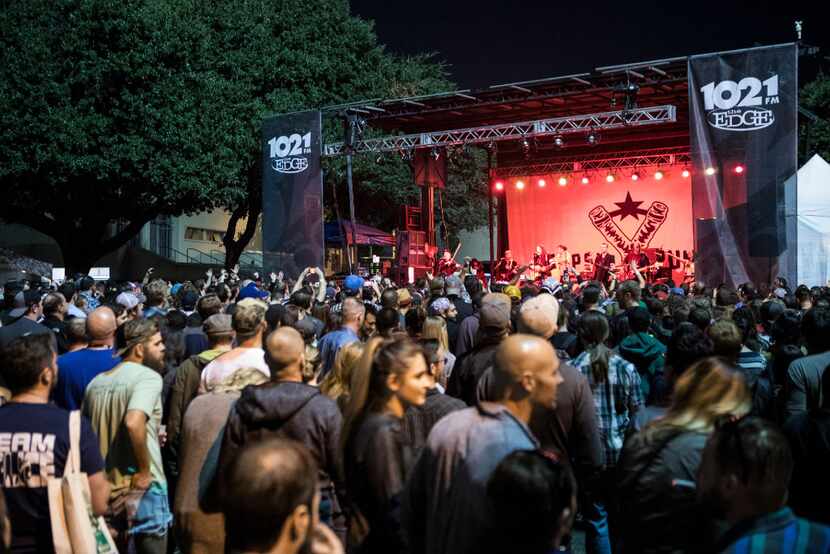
[34, 442]
[124, 407]
[743, 479]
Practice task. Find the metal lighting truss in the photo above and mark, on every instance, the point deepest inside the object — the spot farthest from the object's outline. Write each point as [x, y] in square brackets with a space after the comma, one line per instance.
[512, 131]
[630, 161]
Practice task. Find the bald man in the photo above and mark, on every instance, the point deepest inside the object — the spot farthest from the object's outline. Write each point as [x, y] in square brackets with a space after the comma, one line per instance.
[444, 504]
[569, 428]
[77, 369]
[286, 407]
[353, 313]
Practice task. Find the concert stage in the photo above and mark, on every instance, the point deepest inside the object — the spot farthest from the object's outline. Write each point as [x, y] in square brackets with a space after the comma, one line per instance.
[689, 154]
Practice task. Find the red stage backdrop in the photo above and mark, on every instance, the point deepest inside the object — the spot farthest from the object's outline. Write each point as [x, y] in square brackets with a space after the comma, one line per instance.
[658, 214]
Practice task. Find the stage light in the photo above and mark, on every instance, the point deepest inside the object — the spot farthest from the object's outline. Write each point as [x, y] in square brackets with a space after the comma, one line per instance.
[609, 178]
[499, 185]
[635, 176]
[541, 183]
[563, 181]
[435, 154]
[559, 142]
[710, 171]
[686, 173]
[379, 159]
[520, 185]
[585, 180]
[658, 175]
[592, 139]
[739, 169]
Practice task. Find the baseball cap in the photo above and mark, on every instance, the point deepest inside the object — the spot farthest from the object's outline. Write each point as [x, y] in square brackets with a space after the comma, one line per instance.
[128, 300]
[494, 316]
[136, 332]
[23, 300]
[440, 305]
[189, 299]
[551, 285]
[453, 285]
[251, 291]
[678, 291]
[538, 316]
[217, 325]
[404, 298]
[249, 314]
[513, 292]
[353, 283]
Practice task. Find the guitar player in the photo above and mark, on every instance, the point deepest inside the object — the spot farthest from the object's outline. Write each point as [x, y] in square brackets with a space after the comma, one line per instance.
[603, 262]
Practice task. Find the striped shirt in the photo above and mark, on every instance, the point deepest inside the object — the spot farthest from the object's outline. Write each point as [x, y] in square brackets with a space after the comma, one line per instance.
[778, 532]
[751, 361]
[616, 400]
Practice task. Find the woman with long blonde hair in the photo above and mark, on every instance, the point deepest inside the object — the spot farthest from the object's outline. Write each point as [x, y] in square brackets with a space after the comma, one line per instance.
[436, 328]
[658, 465]
[391, 376]
[337, 383]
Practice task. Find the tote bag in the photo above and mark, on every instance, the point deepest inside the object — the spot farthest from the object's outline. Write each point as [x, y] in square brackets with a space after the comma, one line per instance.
[75, 529]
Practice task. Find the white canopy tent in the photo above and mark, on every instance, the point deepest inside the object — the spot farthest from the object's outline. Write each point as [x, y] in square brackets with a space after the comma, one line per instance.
[813, 220]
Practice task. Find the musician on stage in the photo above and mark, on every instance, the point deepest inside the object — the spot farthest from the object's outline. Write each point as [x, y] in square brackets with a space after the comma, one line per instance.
[540, 264]
[635, 254]
[603, 261]
[563, 262]
[477, 269]
[446, 266]
[506, 268]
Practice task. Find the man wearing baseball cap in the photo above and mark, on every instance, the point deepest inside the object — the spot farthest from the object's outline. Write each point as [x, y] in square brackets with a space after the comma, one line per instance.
[249, 324]
[494, 326]
[220, 334]
[27, 310]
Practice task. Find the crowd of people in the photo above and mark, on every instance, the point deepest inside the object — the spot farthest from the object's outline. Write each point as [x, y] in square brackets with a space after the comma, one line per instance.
[240, 414]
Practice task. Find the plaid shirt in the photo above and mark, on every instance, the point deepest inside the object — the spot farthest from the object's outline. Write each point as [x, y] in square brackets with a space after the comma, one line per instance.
[616, 400]
[777, 532]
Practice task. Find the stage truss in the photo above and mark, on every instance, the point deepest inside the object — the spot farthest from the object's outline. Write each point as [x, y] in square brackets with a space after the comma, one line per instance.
[627, 161]
[596, 122]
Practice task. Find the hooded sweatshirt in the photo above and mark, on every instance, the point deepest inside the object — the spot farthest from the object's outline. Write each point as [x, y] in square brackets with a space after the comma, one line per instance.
[648, 356]
[288, 410]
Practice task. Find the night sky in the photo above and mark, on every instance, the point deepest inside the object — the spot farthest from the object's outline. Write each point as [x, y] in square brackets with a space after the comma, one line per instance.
[487, 42]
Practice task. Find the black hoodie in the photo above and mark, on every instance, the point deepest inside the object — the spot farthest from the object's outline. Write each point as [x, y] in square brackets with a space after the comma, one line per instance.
[288, 410]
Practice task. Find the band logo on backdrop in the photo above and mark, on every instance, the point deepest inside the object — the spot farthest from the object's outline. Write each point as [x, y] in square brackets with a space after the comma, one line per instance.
[621, 234]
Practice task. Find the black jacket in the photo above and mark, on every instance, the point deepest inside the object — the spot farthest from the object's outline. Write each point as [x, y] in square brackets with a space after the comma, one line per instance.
[656, 473]
[469, 368]
[284, 410]
[377, 459]
[809, 435]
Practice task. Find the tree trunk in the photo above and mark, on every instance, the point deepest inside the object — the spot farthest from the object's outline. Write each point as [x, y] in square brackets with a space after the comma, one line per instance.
[252, 208]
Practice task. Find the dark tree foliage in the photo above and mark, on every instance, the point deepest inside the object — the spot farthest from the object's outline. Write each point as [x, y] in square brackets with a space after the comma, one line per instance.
[116, 112]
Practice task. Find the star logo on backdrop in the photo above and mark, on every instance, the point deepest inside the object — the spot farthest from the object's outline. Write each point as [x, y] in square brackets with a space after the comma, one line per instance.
[641, 232]
[628, 207]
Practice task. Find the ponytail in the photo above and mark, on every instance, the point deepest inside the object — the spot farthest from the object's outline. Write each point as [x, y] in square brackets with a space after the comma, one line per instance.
[594, 330]
[381, 358]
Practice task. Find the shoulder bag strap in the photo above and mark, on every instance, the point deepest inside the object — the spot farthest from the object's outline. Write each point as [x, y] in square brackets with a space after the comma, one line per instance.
[73, 459]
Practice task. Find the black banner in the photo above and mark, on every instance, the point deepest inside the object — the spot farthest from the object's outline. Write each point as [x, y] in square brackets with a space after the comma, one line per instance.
[292, 193]
[744, 131]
